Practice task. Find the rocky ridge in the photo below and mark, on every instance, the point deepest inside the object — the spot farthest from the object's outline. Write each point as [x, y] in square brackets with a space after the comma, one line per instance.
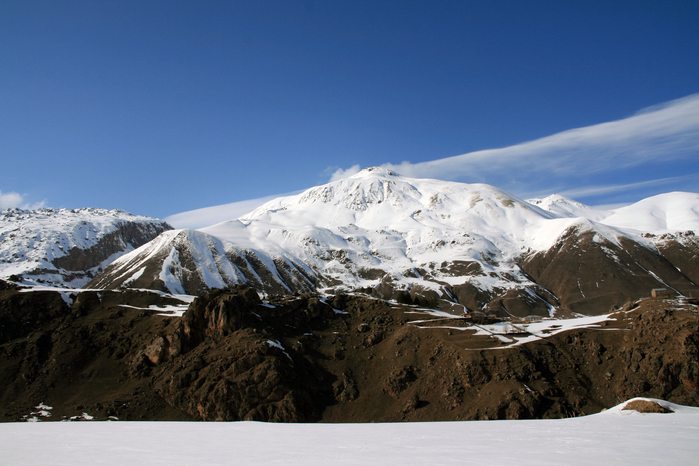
[345, 358]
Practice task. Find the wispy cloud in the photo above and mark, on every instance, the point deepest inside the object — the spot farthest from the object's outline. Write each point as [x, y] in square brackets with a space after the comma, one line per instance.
[586, 191]
[13, 199]
[665, 134]
[208, 216]
[595, 161]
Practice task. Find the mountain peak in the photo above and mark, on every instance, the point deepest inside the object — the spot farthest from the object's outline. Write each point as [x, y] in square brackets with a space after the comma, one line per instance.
[375, 171]
[473, 246]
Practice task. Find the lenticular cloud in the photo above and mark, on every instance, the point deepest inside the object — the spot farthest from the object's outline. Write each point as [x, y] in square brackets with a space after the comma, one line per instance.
[666, 134]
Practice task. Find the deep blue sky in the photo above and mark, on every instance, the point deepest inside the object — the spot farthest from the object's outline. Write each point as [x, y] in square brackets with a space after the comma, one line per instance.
[163, 107]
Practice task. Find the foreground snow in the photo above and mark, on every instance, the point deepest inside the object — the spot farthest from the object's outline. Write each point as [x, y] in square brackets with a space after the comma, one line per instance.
[609, 438]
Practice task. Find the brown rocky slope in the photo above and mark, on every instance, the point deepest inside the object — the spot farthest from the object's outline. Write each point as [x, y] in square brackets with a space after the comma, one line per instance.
[300, 358]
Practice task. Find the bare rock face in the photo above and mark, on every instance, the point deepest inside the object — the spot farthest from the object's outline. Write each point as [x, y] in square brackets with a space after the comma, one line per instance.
[78, 357]
[589, 275]
[22, 313]
[250, 381]
[232, 368]
[301, 358]
[220, 314]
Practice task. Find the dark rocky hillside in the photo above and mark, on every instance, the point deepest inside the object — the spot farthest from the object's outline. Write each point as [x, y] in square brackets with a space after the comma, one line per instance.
[682, 250]
[298, 358]
[589, 276]
[127, 234]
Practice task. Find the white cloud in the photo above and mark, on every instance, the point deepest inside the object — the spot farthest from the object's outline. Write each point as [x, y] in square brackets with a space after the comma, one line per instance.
[9, 200]
[607, 189]
[341, 174]
[666, 133]
[13, 199]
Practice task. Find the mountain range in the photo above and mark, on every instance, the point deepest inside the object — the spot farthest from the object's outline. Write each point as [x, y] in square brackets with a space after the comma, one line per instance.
[377, 298]
[460, 247]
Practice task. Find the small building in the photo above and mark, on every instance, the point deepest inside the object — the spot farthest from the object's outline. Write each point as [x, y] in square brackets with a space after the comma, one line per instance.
[661, 293]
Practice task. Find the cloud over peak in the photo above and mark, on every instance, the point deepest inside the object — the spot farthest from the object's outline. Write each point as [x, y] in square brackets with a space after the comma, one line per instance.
[12, 199]
[657, 145]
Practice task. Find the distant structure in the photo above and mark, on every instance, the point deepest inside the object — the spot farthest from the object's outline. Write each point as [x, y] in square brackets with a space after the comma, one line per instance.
[661, 293]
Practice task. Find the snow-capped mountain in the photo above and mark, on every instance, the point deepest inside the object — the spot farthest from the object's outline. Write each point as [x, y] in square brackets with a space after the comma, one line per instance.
[469, 245]
[192, 262]
[68, 247]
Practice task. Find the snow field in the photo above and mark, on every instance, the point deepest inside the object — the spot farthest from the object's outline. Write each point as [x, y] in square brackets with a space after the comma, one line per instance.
[614, 437]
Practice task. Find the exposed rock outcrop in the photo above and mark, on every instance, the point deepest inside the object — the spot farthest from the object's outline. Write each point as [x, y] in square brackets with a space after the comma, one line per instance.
[298, 358]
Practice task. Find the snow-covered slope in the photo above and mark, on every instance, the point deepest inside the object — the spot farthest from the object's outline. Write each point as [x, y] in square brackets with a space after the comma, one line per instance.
[192, 262]
[68, 247]
[657, 215]
[566, 207]
[388, 234]
[664, 213]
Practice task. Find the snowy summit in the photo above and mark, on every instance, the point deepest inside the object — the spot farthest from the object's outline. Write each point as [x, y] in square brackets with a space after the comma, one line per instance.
[472, 244]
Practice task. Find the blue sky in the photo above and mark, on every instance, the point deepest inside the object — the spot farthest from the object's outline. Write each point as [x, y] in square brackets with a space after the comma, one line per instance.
[164, 107]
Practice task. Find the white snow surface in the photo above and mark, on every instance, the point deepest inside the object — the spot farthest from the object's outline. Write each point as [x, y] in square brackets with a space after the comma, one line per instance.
[564, 206]
[378, 219]
[210, 255]
[613, 437]
[664, 213]
[32, 239]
